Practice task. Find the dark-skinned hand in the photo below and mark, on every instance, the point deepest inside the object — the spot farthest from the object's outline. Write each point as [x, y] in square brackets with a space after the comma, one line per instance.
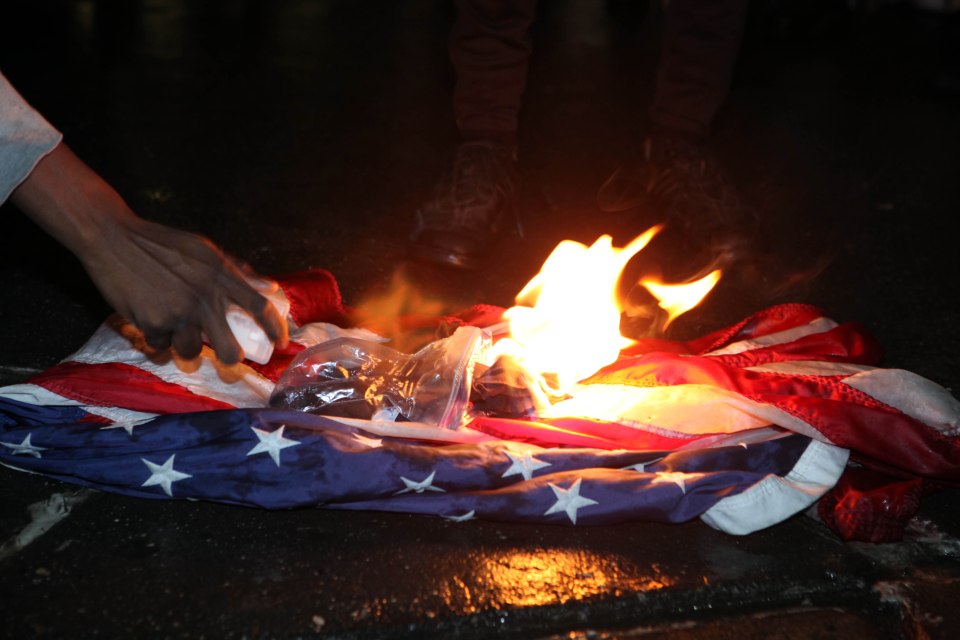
[173, 285]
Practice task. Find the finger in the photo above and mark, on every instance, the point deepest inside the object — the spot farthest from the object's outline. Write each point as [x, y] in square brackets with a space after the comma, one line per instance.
[187, 341]
[221, 337]
[273, 325]
[262, 311]
[242, 266]
[158, 340]
[262, 285]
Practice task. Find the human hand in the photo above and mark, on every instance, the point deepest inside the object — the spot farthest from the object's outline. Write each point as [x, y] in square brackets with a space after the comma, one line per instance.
[173, 285]
[176, 287]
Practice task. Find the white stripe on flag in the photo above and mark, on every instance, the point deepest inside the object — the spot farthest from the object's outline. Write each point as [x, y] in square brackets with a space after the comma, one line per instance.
[820, 325]
[916, 396]
[677, 411]
[239, 385]
[37, 395]
[775, 498]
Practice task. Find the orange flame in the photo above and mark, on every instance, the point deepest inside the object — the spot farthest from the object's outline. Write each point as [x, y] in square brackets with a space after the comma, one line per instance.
[677, 299]
[403, 311]
[566, 322]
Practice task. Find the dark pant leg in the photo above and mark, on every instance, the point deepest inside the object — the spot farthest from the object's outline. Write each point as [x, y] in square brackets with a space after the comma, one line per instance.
[701, 39]
[490, 50]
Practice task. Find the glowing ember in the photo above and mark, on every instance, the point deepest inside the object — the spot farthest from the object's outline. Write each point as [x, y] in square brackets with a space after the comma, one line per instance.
[566, 324]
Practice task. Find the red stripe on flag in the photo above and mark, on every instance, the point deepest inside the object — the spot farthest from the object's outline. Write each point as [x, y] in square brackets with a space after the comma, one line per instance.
[845, 416]
[770, 320]
[278, 362]
[114, 384]
[880, 432]
[847, 342]
[852, 339]
[578, 432]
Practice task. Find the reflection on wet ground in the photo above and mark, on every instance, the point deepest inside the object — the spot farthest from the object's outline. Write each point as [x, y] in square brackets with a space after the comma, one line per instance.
[523, 578]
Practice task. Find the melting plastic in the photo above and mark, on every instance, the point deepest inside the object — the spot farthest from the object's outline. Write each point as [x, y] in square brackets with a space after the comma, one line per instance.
[355, 378]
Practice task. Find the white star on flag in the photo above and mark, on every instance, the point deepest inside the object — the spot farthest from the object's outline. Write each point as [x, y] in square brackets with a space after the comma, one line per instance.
[641, 467]
[272, 442]
[524, 464]
[569, 501]
[372, 443]
[127, 425]
[25, 448]
[163, 475]
[469, 515]
[676, 477]
[419, 487]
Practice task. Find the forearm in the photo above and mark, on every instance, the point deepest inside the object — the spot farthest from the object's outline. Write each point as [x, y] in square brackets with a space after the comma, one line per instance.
[175, 286]
[72, 203]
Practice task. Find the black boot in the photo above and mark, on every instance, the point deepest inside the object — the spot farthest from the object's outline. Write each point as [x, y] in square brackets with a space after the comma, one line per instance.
[678, 180]
[471, 205]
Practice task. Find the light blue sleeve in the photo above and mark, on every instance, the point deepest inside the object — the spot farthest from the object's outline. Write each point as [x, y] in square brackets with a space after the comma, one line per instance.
[25, 138]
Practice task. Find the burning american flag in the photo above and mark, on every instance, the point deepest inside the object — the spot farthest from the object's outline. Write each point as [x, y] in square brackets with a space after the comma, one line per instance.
[741, 428]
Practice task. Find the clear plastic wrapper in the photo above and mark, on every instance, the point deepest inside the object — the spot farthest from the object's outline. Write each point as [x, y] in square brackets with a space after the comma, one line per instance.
[357, 378]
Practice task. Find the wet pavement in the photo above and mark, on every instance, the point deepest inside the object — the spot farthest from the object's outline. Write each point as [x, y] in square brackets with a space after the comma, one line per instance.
[303, 133]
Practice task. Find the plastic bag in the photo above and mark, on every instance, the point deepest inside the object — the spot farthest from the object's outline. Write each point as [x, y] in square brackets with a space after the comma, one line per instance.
[356, 378]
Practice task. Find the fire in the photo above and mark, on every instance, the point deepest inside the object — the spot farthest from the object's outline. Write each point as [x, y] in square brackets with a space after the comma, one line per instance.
[566, 322]
[403, 311]
[677, 299]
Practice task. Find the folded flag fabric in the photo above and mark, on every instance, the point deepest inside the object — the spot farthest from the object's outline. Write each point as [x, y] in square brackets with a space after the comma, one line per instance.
[742, 428]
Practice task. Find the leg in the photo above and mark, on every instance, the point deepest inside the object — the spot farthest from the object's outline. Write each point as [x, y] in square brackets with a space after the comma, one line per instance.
[490, 51]
[701, 39]
[472, 202]
[676, 177]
